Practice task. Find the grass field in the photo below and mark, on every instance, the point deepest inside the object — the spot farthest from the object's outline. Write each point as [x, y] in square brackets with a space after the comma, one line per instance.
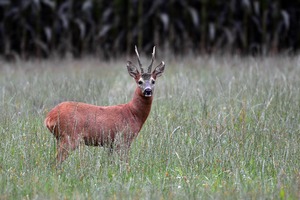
[219, 128]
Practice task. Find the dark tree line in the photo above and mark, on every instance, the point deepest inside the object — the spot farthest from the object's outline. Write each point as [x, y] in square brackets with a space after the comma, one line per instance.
[42, 28]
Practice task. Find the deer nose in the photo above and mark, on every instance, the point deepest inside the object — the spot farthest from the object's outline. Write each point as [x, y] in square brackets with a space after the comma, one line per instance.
[148, 92]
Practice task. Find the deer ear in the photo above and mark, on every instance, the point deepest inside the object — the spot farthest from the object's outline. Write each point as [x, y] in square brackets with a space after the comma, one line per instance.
[132, 70]
[158, 70]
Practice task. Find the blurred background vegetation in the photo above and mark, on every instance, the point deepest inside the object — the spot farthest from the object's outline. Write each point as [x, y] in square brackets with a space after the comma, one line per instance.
[45, 28]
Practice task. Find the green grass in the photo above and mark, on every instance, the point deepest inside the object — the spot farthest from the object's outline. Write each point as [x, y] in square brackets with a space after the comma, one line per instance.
[219, 128]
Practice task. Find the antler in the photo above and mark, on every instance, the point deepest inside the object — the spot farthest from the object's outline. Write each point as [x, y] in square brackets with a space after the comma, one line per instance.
[139, 61]
[152, 60]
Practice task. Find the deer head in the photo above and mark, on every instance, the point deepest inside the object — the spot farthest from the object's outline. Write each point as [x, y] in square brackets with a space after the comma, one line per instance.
[145, 80]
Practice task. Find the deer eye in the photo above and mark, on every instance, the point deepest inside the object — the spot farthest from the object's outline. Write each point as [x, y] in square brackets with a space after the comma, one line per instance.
[153, 81]
[140, 82]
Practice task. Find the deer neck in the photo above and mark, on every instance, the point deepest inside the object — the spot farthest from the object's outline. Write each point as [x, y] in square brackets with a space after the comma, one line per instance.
[140, 105]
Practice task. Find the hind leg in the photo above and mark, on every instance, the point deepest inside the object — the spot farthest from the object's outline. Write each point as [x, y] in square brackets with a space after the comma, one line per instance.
[64, 147]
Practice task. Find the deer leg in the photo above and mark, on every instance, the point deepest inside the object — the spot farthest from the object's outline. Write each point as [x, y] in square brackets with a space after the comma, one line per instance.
[64, 147]
[62, 153]
[123, 153]
[122, 149]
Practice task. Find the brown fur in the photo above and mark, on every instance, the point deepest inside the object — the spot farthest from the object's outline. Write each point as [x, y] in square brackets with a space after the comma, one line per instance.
[73, 122]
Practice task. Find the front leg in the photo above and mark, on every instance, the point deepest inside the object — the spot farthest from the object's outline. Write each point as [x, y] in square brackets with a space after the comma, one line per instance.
[122, 145]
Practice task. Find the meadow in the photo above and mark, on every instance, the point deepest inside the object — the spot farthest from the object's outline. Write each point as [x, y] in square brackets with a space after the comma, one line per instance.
[221, 127]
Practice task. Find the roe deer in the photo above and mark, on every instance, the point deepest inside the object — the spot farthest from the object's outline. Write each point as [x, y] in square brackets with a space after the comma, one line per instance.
[112, 126]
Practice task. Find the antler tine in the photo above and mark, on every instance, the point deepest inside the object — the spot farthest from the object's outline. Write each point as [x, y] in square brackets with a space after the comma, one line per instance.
[152, 60]
[139, 61]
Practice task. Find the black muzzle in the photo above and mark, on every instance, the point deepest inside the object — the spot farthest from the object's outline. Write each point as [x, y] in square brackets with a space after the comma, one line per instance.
[147, 92]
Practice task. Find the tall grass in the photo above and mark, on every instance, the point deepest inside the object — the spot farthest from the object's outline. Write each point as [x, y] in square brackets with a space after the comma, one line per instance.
[220, 128]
